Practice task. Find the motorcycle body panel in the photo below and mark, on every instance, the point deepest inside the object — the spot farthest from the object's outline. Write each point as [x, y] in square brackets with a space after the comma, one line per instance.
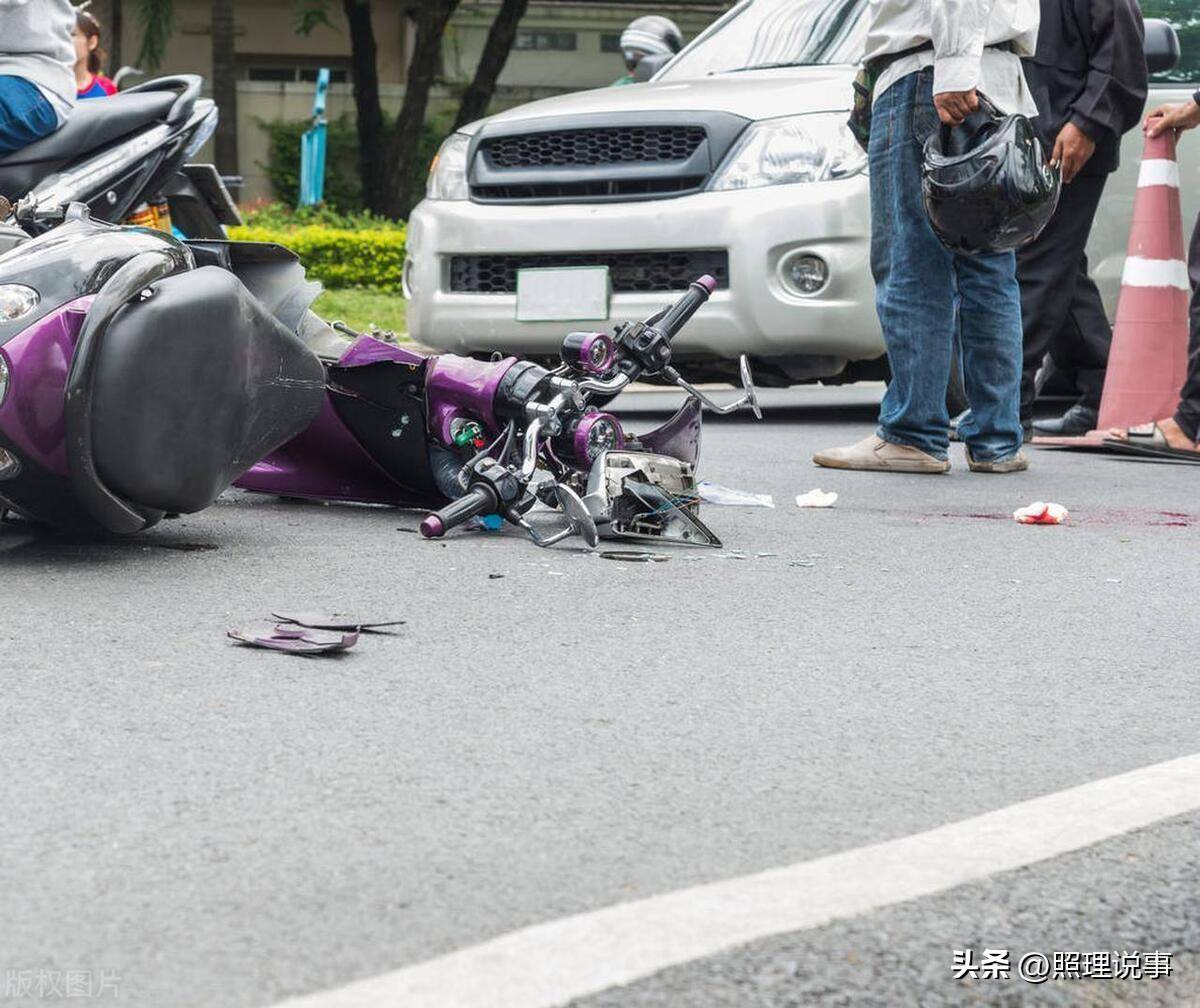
[368, 443]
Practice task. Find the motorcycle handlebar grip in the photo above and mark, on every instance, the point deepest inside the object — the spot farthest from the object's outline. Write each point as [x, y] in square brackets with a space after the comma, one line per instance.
[682, 310]
[476, 501]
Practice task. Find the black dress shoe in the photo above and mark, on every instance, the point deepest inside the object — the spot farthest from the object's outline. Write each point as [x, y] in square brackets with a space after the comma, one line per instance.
[1077, 421]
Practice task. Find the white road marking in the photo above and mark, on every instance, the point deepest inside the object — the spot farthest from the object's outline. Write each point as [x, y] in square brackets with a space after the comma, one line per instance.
[548, 964]
[1158, 171]
[1141, 272]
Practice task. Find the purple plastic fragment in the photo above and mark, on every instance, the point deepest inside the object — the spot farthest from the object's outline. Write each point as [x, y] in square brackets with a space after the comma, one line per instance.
[296, 640]
[334, 621]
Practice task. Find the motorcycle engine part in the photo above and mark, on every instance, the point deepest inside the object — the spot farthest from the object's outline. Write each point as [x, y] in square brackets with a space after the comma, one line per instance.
[589, 436]
[988, 184]
[647, 498]
[590, 352]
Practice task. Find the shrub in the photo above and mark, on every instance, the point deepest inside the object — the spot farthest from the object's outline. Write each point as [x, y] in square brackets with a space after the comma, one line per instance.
[363, 257]
[281, 217]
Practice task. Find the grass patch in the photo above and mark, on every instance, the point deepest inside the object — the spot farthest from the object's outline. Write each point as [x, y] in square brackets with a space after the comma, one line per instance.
[358, 307]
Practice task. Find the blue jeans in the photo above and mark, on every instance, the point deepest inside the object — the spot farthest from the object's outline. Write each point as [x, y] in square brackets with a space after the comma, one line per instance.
[25, 114]
[929, 298]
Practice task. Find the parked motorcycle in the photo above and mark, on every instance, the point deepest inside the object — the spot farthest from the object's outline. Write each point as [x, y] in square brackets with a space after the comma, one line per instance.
[141, 375]
[127, 159]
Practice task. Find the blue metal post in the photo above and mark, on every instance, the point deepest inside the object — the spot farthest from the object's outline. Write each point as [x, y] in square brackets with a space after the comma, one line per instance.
[312, 147]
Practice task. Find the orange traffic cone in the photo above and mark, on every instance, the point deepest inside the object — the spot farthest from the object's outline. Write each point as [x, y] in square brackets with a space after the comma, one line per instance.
[1147, 363]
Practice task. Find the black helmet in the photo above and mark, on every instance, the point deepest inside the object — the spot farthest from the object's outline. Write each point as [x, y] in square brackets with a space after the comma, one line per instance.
[988, 184]
[650, 35]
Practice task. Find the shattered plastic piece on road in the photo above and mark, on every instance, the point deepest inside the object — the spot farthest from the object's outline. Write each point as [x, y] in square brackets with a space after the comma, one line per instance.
[334, 621]
[714, 493]
[296, 640]
[495, 577]
[631, 557]
[1041, 513]
[816, 499]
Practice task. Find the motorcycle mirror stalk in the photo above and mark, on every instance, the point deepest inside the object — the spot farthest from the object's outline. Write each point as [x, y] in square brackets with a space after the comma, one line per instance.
[749, 398]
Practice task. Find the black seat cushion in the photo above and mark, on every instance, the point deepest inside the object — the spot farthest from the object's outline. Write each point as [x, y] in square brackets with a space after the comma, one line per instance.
[91, 125]
[192, 387]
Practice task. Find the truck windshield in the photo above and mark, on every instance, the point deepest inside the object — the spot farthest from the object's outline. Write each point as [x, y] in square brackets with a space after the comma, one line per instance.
[762, 34]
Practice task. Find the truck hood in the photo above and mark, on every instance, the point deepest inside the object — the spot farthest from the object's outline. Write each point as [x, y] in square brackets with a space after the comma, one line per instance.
[754, 94]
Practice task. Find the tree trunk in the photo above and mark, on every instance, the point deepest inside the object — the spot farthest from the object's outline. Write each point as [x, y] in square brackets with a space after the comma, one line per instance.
[224, 86]
[115, 27]
[431, 17]
[372, 157]
[503, 33]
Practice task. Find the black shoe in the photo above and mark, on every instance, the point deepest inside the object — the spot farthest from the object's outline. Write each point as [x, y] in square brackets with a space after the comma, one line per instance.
[1077, 421]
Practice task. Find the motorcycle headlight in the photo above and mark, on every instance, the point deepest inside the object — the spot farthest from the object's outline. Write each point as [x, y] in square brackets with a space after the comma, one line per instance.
[16, 301]
[448, 173]
[804, 148]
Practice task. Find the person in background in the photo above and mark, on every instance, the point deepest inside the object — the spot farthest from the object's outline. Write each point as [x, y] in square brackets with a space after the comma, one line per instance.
[929, 62]
[1180, 433]
[1089, 80]
[89, 59]
[36, 86]
[648, 36]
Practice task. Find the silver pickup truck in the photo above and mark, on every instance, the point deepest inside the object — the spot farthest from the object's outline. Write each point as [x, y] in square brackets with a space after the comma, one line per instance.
[592, 208]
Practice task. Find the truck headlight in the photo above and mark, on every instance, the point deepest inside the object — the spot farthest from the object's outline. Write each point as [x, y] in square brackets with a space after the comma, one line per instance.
[448, 173]
[804, 148]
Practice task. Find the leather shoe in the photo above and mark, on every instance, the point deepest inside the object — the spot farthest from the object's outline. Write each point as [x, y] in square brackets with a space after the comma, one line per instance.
[1077, 421]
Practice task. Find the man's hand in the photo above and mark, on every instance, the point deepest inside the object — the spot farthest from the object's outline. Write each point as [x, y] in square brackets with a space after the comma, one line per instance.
[1184, 116]
[954, 106]
[1072, 150]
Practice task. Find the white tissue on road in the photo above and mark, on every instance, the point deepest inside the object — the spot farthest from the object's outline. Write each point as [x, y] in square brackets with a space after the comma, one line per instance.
[816, 498]
[714, 493]
[1041, 513]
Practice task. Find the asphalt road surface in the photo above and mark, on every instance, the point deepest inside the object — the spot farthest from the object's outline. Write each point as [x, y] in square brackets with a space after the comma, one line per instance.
[193, 823]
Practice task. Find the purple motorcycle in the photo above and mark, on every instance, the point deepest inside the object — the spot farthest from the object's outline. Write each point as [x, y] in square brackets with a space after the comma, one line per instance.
[141, 375]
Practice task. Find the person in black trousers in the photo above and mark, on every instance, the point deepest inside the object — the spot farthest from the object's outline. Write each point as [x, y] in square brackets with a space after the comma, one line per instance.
[1178, 436]
[1089, 80]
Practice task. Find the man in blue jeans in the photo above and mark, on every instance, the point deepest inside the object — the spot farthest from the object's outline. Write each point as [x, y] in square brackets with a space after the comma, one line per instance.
[37, 82]
[929, 61]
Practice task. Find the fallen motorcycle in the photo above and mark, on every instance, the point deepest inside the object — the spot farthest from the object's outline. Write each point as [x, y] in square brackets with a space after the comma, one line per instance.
[141, 375]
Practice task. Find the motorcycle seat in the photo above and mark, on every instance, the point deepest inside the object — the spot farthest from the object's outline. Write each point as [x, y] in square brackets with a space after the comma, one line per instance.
[91, 125]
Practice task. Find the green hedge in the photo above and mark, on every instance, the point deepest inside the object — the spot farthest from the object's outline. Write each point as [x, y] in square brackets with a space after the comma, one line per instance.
[365, 257]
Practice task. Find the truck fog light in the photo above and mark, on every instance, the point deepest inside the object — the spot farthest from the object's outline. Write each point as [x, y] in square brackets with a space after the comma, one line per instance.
[804, 273]
[10, 465]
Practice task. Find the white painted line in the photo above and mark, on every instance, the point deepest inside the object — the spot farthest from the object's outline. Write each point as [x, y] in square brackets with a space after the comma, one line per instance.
[1141, 272]
[548, 964]
[1158, 171]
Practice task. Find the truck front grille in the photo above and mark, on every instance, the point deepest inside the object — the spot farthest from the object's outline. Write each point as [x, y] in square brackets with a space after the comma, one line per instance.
[611, 145]
[630, 272]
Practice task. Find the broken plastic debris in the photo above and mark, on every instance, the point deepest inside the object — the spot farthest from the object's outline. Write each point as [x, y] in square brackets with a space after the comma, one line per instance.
[334, 621]
[296, 640]
[632, 557]
[816, 499]
[714, 493]
[1041, 513]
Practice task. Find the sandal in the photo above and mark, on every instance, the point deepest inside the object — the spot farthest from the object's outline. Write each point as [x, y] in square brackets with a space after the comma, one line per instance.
[1150, 442]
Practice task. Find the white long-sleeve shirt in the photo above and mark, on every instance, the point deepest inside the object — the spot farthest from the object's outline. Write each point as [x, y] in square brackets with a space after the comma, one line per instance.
[961, 31]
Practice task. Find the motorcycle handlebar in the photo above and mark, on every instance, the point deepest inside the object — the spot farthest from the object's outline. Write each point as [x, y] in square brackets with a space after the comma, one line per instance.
[480, 499]
[681, 311]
